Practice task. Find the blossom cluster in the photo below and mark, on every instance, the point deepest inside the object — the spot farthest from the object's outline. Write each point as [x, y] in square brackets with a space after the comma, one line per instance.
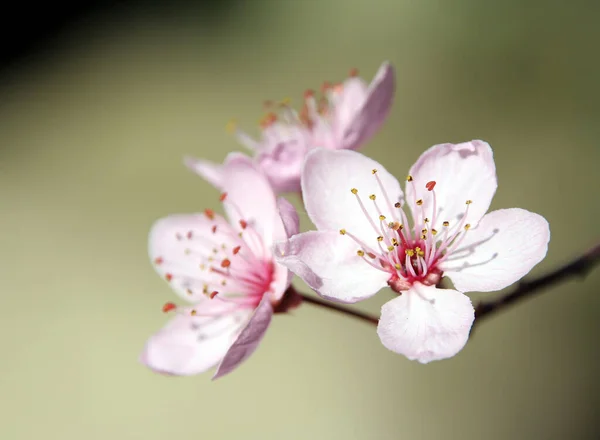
[235, 272]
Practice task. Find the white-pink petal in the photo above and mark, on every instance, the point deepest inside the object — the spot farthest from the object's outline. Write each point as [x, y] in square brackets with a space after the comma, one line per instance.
[178, 246]
[462, 172]
[250, 198]
[502, 249]
[357, 125]
[213, 172]
[426, 323]
[327, 179]
[328, 263]
[248, 339]
[190, 345]
[289, 216]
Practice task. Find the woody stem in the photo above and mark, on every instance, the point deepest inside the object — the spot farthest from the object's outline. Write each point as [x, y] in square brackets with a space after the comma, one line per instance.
[340, 309]
[578, 267]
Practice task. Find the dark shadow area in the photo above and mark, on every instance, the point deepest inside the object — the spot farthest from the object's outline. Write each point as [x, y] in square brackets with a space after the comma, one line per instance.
[28, 28]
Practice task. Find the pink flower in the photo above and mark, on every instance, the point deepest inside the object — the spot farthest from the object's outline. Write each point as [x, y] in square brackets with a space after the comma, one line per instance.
[371, 235]
[345, 117]
[225, 269]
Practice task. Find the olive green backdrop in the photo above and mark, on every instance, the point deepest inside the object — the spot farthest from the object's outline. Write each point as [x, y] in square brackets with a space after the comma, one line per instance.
[92, 135]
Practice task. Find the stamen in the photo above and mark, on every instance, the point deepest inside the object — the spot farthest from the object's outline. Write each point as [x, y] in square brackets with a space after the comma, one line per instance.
[168, 277]
[222, 197]
[430, 185]
[209, 213]
[168, 307]
[158, 260]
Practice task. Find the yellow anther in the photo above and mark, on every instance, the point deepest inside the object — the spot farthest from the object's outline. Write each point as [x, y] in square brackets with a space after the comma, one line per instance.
[410, 252]
[397, 266]
[360, 253]
[446, 224]
[210, 259]
[394, 242]
[426, 220]
[342, 232]
[420, 253]
[202, 266]
[391, 225]
[380, 238]
[231, 126]
[374, 171]
[468, 202]
[205, 288]
[372, 197]
[240, 234]
[215, 250]
[409, 178]
[423, 237]
[354, 191]
[223, 282]
[420, 202]
[423, 231]
[189, 291]
[390, 248]
[467, 227]
[286, 101]
[193, 313]
[433, 232]
[397, 205]
[382, 217]
[418, 249]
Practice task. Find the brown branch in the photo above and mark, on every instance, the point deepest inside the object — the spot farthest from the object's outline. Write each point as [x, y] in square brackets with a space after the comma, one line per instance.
[579, 267]
[340, 309]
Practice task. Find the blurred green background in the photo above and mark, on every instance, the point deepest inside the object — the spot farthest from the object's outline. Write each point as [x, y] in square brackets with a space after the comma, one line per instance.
[92, 134]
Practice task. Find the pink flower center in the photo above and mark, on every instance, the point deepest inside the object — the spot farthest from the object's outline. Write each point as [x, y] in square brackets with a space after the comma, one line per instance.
[409, 254]
[233, 267]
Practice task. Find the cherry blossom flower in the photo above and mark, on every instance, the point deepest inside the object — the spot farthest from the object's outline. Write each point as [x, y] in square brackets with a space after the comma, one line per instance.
[225, 270]
[345, 117]
[370, 234]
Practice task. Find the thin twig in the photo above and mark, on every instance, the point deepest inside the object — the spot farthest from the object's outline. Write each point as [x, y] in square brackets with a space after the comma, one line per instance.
[579, 267]
[340, 309]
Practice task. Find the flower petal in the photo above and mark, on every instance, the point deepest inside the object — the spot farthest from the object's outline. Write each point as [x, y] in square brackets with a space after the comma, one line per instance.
[426, 323]
[213, 172]
[327, 178]
[358, 125]
[180, 247]
[282, 165]
[462, 172]
[250, 199]
[502, 249]
[248, 339]
[190, 345]
[289, 216]
[328, 263]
